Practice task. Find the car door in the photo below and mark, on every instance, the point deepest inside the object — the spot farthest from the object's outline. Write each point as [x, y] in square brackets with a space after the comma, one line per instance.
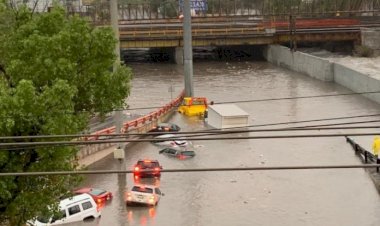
[88, 208]
[74, 213]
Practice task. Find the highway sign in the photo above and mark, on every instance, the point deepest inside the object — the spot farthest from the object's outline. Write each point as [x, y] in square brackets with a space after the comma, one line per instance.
[197, 5]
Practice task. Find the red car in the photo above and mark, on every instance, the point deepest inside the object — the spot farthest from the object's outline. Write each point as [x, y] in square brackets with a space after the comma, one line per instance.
[99, 195]
[147, 168]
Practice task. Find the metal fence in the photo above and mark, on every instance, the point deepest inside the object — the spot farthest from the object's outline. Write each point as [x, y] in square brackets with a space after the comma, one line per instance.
[365, 155]
[98, 10]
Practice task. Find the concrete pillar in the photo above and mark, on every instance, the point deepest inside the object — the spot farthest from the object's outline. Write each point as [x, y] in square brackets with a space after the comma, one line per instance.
[371, 38]
[178, 55]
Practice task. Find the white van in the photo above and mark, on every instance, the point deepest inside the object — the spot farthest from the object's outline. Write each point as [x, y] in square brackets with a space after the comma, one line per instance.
[78, 208]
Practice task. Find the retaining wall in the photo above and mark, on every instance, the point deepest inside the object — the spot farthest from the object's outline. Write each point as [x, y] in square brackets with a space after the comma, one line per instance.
[301, 62]
[324, 70]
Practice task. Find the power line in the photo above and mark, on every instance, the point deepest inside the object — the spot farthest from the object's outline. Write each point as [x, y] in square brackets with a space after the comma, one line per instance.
[267, 99]
[194, 134]
[20, 144]
[83, 172]
[211, 131]
[303, 121]
[229, 102]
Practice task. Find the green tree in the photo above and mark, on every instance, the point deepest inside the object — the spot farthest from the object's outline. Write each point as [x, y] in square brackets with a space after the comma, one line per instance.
[55, 73]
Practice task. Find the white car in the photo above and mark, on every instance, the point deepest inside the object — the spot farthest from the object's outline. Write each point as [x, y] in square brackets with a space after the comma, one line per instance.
[77, 208]
[144, 194]
[171, 143]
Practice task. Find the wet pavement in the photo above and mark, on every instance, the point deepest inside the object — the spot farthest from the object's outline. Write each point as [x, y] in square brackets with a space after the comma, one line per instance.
[303, 197]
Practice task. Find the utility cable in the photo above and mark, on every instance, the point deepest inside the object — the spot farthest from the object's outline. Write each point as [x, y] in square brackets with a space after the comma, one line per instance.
[20, 144]
[212, 131]
[177, 136]
[265, 99]
[82, 172]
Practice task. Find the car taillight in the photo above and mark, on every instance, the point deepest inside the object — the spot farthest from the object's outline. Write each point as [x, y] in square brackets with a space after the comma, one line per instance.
[166, 129]
[156, 169]
[137, 168]
[99, 200]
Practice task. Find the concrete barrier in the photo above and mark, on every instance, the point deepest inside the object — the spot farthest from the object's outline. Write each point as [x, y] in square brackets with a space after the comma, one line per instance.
[357, 81]
[324, 70]
[312, 66]
[90, 154]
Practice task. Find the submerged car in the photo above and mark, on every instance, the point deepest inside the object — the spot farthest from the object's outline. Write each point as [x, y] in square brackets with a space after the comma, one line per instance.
[144, 194]
[147, 168]
[99, 195]
[177, 153]
[170, 142]
[165, 127]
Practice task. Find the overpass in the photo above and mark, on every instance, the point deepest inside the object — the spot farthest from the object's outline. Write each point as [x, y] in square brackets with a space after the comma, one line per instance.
[245, 31]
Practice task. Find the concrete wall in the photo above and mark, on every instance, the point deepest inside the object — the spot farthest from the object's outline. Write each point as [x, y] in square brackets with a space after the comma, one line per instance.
[310, 65]
[357, 82]
[324, 70]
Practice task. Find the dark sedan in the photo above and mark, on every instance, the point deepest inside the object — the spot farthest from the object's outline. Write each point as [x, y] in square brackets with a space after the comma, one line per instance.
[181, 154]
[165, 127]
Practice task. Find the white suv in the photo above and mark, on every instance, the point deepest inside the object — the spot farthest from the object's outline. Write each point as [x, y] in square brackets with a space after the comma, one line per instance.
[144, 194]
[78, 208]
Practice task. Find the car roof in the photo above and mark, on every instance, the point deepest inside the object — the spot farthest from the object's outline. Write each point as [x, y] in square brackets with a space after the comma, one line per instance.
[76, 198]
[165, 136]
[147, 160]
[83, 190]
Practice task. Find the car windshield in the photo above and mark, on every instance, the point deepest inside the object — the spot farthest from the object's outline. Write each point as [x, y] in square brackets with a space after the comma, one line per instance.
[146, 164]
[97, 191]
[142, 189]
[44, 218]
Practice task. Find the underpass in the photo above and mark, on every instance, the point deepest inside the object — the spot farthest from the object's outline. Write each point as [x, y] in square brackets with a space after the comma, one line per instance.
[319, 197]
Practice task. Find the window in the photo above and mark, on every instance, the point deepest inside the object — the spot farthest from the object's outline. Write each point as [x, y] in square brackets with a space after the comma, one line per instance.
[97, 191]
[171, 151]
[158, 192]
[147, 164]
[86, 205]
[142, 189]
[74, 209]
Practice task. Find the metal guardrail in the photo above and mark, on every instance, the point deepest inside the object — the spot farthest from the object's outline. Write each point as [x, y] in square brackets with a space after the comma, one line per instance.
[141, 120]
[365, 155]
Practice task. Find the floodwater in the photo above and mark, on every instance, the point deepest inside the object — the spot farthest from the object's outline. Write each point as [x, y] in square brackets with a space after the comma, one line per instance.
[328, 197]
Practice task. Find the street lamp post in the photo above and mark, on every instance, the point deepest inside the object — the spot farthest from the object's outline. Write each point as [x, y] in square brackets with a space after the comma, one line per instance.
[188, 51]
[119, 152]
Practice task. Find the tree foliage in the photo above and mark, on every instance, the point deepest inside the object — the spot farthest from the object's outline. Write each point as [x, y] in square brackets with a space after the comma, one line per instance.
[55, 72]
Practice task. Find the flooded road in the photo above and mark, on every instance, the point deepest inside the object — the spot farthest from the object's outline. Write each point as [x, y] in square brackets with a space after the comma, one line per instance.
[303, 197]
